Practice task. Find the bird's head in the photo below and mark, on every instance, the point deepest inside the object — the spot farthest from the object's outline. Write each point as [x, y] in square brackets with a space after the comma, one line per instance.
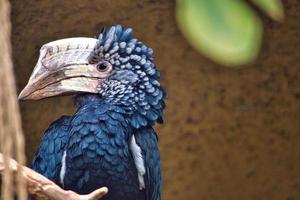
[116, 67]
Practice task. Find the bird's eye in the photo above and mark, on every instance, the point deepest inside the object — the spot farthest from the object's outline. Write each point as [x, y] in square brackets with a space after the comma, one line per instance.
[104, 66]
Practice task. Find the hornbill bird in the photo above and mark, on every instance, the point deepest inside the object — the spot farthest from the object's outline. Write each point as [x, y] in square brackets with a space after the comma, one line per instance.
[109, 141]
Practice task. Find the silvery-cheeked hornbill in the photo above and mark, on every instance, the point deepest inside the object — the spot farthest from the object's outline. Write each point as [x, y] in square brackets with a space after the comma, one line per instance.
[109, 141]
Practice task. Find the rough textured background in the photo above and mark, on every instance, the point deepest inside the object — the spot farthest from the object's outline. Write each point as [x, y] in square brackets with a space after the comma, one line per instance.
[229, 134]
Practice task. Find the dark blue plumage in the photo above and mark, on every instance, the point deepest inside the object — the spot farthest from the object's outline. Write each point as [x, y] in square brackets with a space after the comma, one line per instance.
[109, 141]
[47, 160]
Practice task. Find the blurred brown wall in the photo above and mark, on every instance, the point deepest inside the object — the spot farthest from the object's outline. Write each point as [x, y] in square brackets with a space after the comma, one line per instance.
[229, 134]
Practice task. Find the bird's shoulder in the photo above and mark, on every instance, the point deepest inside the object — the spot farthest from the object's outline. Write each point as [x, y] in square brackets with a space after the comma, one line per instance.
[56, 133]
[47, 159]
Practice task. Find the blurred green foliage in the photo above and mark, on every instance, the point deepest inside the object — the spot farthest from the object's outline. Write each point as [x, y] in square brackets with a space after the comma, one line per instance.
[227, 31]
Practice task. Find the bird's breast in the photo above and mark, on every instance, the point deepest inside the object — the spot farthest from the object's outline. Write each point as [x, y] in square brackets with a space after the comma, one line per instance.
[98, 154]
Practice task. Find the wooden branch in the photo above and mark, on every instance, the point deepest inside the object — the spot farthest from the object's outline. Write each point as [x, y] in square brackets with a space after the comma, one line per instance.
[42, 188]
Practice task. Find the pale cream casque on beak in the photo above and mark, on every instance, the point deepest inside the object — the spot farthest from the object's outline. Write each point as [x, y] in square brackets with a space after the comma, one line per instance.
[63, 68]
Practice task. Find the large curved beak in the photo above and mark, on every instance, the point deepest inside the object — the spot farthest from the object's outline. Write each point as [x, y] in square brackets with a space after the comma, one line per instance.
[62, 69]
[72, 79]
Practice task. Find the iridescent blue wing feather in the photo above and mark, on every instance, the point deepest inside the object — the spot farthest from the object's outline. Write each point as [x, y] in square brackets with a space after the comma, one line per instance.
[147, 140]
[47, 160]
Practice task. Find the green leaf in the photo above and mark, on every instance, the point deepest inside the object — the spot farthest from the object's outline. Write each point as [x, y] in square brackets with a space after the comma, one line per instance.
[227, 32]
[273, 8]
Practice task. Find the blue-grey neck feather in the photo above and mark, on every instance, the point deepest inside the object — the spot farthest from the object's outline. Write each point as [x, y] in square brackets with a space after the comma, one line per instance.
[134, 83]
